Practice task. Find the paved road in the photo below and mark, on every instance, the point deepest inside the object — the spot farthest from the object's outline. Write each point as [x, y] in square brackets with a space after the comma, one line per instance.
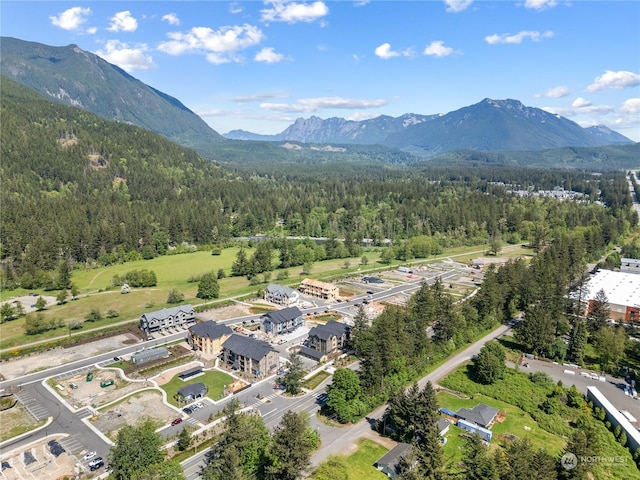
[350, 435]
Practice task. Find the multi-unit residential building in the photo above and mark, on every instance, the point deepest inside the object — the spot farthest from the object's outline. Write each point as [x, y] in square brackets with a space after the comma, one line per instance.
[281, 321]
[208, 337]
[166, 318]
[281, 295]
[250, 356]
[316, 288]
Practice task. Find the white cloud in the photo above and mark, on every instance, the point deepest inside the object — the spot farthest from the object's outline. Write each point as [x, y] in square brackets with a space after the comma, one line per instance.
[437, 49]
[455, 6]
[610, 79]
[580, 106]
[581, 103]
[518, 37]
[555, 92]
[171, 19]
[91, 30]
[235, 8]
[293, 12]
[219, 46]
[540, 4]
[268, 55]
[631, 106]
[123, 22]
[71, 19]
[309, 105]
[384, 51]
[126, 57]
[256, 97]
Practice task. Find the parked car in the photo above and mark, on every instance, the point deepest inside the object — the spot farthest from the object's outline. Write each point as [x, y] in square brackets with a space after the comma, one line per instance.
[200, 405]
[177, 421]
[116, 359]
[187, 410]
[89, 456]
[95, 466]
[96, 461]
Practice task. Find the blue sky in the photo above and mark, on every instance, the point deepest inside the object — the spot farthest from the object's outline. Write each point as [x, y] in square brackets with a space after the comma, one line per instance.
[258, 66]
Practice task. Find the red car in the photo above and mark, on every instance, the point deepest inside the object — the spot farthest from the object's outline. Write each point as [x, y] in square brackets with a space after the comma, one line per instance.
[177, 421]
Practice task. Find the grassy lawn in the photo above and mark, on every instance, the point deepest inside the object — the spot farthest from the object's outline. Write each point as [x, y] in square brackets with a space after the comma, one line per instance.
[316, 380]
[357, 466]
[516, 422]
[215, 380]
[361, 462]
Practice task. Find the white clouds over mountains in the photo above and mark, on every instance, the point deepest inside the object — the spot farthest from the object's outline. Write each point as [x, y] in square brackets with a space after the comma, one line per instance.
[71, 19]
[219, 46]
[123, 22]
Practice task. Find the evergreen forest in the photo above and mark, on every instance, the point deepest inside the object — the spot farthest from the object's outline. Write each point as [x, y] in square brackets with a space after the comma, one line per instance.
[84, 191]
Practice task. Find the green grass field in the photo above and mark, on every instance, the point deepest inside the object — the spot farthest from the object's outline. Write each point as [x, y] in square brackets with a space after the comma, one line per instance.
[174, 272]
[215, 380]
[357, 466]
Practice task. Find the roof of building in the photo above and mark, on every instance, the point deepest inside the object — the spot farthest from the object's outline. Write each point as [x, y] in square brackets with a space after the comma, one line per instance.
[442, 424]
[283, 316]
[151, 353]
[190, 372]
[620, 288]
[274, 289]
[481, 414]
[247, 347]
[324, 332]
[392, 457]
[624, 423]
[193, 389]
[311, 353]
[210, 329]
[169, 312]
[318, 283]
[630, 265]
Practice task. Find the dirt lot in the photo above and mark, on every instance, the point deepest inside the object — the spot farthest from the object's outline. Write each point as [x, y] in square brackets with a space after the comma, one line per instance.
[91, 393]
[15, 417]
[134, 410]
[39, 361]
[225, 313]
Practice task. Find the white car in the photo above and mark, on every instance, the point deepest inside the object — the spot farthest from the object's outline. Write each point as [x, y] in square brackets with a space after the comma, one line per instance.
[199, 405]
[89, 455]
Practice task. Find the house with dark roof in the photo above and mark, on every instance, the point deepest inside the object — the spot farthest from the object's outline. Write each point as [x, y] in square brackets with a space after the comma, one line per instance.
[281, 321]
[389, 462]
[208, 337]
[250, 356]
[281, 295]
[481, 414]
[329, 337]
[190, 392]
[166, 318]
[149, 355]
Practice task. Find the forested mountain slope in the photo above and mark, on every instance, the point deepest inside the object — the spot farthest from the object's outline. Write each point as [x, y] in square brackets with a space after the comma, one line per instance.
[81, 79]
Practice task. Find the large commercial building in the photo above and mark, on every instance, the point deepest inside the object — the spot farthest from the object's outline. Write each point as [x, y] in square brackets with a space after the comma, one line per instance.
[622, 291]
[615, 417]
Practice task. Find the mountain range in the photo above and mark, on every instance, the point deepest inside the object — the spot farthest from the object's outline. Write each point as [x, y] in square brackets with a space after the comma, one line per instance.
[490, 125]
[81, 79]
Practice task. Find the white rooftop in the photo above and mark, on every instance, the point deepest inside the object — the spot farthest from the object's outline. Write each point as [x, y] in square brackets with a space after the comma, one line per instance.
[619, 287]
